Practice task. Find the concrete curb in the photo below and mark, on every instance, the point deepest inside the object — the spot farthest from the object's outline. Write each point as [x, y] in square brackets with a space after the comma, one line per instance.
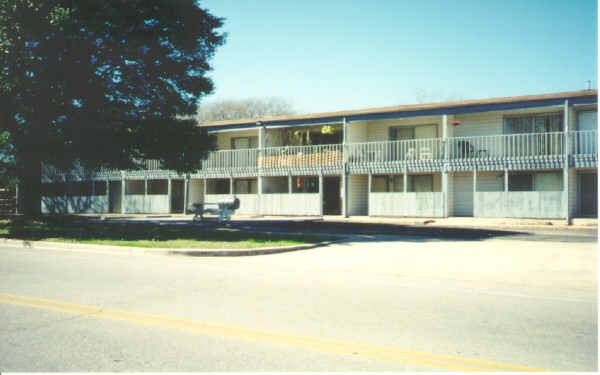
[129, 250]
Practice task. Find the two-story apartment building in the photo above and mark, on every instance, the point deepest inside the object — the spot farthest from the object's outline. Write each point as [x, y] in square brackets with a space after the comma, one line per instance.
[529, 156]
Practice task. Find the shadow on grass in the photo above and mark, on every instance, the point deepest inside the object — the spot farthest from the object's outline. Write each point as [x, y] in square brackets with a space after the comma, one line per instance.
[79, 229]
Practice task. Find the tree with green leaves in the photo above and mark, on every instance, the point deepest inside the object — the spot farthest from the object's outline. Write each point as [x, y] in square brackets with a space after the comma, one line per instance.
[103, 84]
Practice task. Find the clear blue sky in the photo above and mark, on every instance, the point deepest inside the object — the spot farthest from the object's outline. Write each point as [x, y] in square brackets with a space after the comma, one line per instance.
[330, 55]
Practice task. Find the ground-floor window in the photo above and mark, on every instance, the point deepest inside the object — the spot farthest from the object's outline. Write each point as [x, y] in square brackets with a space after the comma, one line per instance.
[414, 183]
[134, 187]
[158, 187]
[218, 186]
[305, 184]
[54, 189]
[535, 181]
[275, 185]
[245, 186]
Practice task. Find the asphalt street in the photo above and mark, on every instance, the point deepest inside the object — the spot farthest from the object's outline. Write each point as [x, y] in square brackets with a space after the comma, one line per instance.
[376, 303]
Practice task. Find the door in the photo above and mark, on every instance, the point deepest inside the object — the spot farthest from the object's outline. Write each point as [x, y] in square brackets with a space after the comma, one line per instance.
[332, 202]
[588, 188]
[114, 197]
[463, 194]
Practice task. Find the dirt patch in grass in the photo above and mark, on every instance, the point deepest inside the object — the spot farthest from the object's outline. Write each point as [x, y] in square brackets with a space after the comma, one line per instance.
[147, 235]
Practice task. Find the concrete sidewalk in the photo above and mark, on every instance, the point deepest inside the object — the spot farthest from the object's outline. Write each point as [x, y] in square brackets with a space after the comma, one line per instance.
[456, 222]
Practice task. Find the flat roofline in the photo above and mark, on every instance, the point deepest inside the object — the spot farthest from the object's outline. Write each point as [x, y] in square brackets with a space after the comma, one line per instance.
[382, 111]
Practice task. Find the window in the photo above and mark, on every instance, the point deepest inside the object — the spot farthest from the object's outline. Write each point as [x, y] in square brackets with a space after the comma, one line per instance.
[217, 186]
[99, 187]
[541, 123]
[54, 189]
[275, 185]
[548, 181]
[399, 133]
[420, 183]
[388, 184]
[520, 182]
[158, 187]
[305, 184]
[245, 186]
[81, 188]
[587, 120]
[239, 143]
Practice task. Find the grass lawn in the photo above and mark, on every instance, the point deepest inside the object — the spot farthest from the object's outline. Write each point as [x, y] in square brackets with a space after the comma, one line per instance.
[82, 230]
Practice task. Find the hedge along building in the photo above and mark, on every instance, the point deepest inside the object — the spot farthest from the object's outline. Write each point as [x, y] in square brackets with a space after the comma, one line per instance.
[529, 156]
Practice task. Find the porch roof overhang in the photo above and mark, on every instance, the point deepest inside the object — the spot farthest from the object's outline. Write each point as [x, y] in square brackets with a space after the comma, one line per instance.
[585, 97]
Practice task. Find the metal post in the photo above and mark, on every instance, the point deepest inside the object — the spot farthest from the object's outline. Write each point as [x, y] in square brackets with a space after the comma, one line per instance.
[17, 198]
[146, 205]
[345, 192]
[506, 180]
[123, 181]
[321, 193]
[289, 183]
[474, 188]
[369, 191]
[445, 197]
[566, 162]
[405, 179]
[231, 190]
[107, 195]
[186, 193]
[259, 191]
[169, 192]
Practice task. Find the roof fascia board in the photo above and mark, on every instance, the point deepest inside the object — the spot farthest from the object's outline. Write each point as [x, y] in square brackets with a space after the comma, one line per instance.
[455, 110]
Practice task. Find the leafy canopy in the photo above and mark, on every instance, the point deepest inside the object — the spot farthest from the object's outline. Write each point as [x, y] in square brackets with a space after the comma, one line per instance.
[107, 83]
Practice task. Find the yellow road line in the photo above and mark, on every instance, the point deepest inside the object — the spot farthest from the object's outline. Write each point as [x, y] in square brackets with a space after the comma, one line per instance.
[398, 355]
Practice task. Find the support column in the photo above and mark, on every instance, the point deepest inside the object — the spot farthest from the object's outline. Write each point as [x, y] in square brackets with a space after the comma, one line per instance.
[474, 188]
[506, 180]
[169, 192]
[566, 151]
[123, 181]
[321, 193]
[405, 179]
[107, 195]
[147, 207]
[231, 190]
[186, 194]
[345, 193]
[369, 191]
[289, 183]
[17, 198]
[259, 187]
[445, 196]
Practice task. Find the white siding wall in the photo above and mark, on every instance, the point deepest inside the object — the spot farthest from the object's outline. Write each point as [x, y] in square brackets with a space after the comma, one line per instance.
[137, 204]
[478, 124]
[290, 204]
[248, 202]
[357, 132]
[358, 195]
[378, 131]
[406, 204]
[463, 194]
[75, 204]
[520, 204]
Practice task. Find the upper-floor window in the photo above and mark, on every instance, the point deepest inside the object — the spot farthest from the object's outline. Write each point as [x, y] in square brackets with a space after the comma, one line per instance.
[398, 133]
[538, 123]
[587, 120]
[239, 143]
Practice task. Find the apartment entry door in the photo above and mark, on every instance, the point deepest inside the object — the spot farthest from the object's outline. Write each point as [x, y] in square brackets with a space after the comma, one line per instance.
[177, 195]
[114, 191]
[332, 197]
[588, 188]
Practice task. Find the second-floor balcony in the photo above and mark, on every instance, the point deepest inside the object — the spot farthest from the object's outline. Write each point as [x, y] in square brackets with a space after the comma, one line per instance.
[492, 149]
[455, 149]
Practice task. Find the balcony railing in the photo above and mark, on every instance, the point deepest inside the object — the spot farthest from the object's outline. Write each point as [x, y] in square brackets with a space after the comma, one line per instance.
[231, 159]
[505, 146]
[583, 142]
[302, 156]
[394, 151]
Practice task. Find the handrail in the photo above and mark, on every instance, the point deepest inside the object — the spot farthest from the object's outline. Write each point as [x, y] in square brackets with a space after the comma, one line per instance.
[394, 151]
